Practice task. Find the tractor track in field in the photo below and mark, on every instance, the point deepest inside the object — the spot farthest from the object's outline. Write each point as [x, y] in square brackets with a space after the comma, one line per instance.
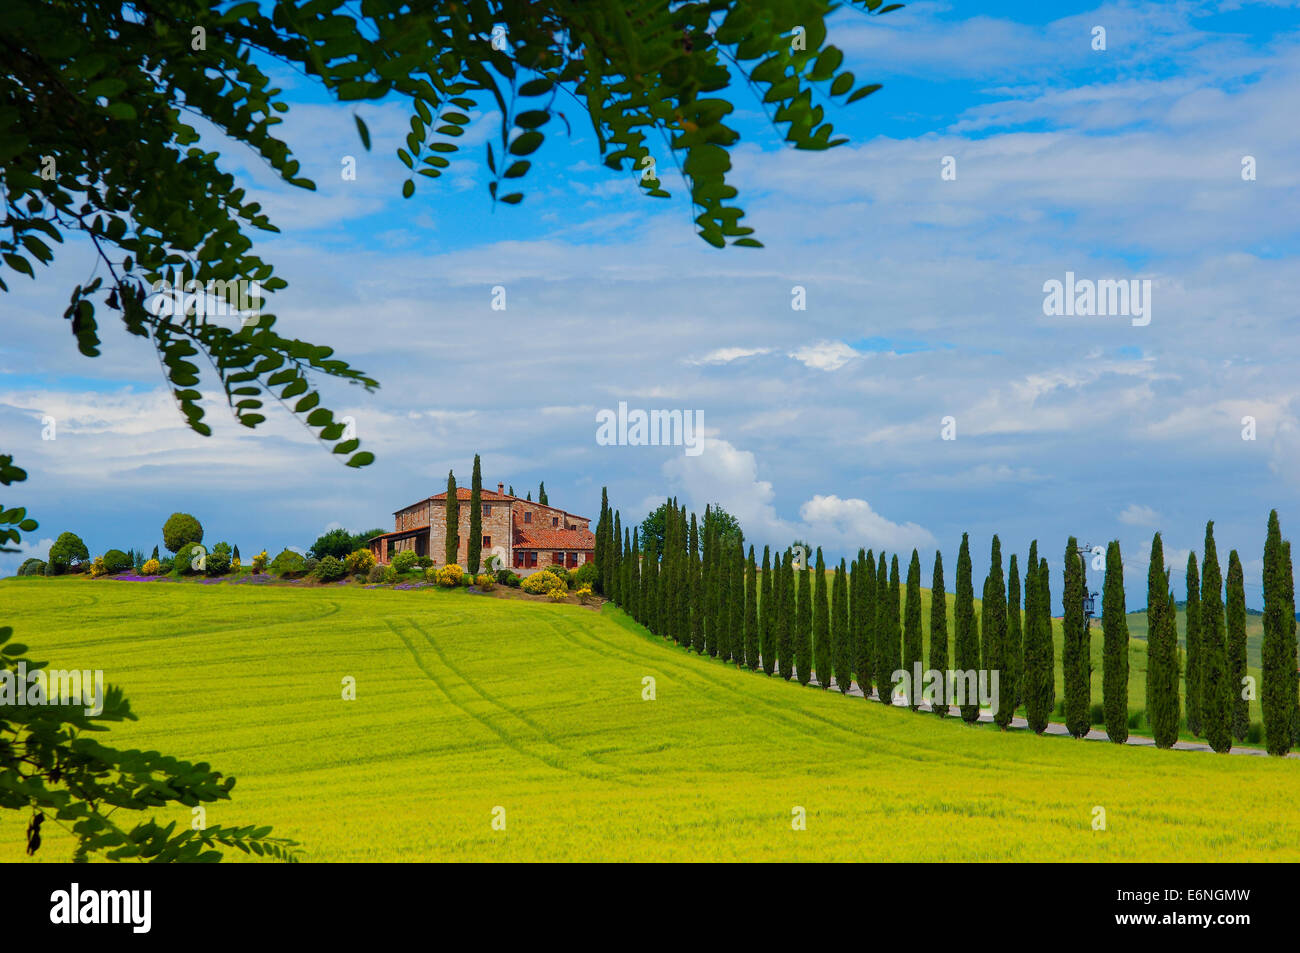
[540, 747]
[774, 711]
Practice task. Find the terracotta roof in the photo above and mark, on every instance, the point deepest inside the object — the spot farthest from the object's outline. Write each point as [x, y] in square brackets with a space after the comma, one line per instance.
[464, 492]
[556, 539]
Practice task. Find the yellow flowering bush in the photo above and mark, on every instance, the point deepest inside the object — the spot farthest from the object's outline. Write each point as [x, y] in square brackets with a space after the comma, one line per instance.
[558, 594]
[97, 568]
[540, 582]
[485, 582]
[584, 595]
[361, 560]
[259, 562]
[151, 567]
[449, 576]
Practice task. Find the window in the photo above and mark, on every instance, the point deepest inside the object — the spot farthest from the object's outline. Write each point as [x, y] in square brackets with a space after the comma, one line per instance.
[487, 542]
[532, 559]
[557, 559]
[572, 560]
[487, 509]
[528, 516]
[555, 521]
[519, 559]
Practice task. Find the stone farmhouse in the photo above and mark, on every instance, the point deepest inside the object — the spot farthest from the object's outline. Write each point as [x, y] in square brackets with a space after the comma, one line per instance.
[528, 536]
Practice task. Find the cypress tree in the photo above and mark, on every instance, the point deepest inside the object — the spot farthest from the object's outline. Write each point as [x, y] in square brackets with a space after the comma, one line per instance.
[1166, 729]
[682, 560]
[864, 621]
[1157, 590]
[822, 649]
[841, 638]
[633, 593]
[607, 569]
[541, 493]
[767, 616]
[155, 553]
[1288, 591]
[894, 626]
[1014, 651]
[939, 636]
[649, 562]
[709, 621]
[1114, 667]
[996, 660]
[1236, 628]
[1216, 693]
[616, 562]
[1192, 676]
[511, 489]
[803, 620]
[697, 593]
[752, 635]
[625, 573]
[1074, 645]
[880, 643]
[785, 618]
[965, 638]
[913, 652]
[737, 620]
[475, 555]
[600, 556]
[453, 520]
[1039, 674]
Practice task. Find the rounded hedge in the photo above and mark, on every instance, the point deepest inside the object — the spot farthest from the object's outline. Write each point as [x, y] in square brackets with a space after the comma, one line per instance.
[32, 567]
[116, 561]
[289, 564]
[190, 558]
[181, 528]
[330, 569]
[67, 550]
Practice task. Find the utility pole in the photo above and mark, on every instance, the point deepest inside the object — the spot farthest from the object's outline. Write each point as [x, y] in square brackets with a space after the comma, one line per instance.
[1089, 597]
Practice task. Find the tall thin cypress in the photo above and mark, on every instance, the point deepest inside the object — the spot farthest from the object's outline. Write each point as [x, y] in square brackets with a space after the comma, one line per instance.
[633, 593]
[1236, 635]
[880, 642]
[1014, 651]
[683, 561]
[1074, 648]
[697, 591]
[1192, 642]
[1039, 677]
[966, 638]
[894, 629]
[939, 636]
[708, 585]
[474, 556]
[803, 621]
[822, 648]
[738, 600]
[996, 659]
[1216, 697]
[616, 561]
[452, 508]
[785, 617]
[1288, 591]
[864, 621]
[841, 640]
[722, 608]
[767, 615]
[1162, 651]
[1157, 589]
[600, 556]
[913, 650]
[1114, 656]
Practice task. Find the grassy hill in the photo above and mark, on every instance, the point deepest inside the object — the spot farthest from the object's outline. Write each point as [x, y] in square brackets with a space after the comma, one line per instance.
[466, 702]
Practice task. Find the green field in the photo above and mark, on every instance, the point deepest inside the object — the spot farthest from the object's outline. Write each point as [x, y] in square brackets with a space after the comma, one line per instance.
[465, 703]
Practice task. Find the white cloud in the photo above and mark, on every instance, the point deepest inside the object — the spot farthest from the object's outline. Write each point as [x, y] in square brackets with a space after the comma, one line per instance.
[725, 355]
[853, 522]
[825, 355]
[1136, 514]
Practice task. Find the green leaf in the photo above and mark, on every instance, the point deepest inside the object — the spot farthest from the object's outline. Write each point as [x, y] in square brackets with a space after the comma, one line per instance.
[363, 132]
[527, 143]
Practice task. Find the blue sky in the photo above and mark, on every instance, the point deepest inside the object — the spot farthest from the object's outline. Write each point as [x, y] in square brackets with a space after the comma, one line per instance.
[924, 301]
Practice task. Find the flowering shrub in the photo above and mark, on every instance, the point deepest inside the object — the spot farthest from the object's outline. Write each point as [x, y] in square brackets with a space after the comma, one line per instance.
[584, 595]
[152, 567]
[360, 561]
[259, 563]
[404, 561]
[449, 576]
[97, 568]
[558, 594]
[485, 582]
[540, 582]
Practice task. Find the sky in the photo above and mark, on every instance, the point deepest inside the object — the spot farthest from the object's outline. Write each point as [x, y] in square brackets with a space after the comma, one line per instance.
[924, 314]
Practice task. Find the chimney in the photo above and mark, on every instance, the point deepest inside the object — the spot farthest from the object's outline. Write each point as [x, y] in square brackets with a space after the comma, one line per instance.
[501, 489]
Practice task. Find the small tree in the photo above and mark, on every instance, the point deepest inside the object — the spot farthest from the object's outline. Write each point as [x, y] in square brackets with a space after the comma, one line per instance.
[996, 660]
[1277, 663]
[181, 528]
[68, 550]
[1014, 650]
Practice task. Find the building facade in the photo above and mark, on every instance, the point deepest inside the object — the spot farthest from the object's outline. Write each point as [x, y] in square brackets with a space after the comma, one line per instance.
[526, 536]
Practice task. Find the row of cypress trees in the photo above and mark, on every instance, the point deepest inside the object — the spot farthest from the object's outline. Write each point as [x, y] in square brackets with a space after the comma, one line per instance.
[859, 623]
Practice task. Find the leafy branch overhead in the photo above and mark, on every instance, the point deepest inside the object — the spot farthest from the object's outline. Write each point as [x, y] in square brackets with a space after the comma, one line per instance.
[101, 103]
